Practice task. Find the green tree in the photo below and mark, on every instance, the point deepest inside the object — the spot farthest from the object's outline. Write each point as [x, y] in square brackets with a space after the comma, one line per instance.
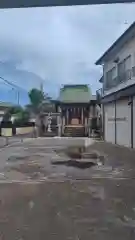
[36, 97]
[22, 117]
[11, 111]
[20, 114]
[39, 102]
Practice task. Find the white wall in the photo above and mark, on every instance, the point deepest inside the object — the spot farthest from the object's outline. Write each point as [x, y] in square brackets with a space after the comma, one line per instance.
[109, 111]
[123, 123]
[24, 130]
[128, 49]
[134, 122]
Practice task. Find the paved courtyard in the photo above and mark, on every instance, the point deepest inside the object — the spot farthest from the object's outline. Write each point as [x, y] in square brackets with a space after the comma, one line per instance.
[40, 200]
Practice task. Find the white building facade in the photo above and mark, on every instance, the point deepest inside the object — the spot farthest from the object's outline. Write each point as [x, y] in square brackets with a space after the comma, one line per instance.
[118, 90]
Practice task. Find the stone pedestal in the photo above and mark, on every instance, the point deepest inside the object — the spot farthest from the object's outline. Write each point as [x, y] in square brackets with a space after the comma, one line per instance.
[59, 130]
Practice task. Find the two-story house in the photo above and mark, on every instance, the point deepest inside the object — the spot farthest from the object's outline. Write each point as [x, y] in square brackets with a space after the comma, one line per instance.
[118, 90]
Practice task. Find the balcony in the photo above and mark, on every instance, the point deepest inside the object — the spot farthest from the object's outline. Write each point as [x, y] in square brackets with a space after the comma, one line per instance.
[124, 77]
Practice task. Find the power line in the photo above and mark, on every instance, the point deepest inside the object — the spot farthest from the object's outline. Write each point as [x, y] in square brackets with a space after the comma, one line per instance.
[15, 87]
[12, 84]
[9, 82]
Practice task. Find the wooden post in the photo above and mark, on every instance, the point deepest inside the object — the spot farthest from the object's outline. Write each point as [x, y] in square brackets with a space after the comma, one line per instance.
[59, 122]
[82, 116]
[91, 111]
[94, 110]
[90, 120]
[67, 116]
[63, 124]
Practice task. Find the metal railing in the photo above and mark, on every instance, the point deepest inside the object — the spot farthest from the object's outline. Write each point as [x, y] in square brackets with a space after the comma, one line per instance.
[133, 71]
[124, 77]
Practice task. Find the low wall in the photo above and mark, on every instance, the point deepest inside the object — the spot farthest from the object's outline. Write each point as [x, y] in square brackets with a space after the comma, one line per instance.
[7, 132]
[24, 130]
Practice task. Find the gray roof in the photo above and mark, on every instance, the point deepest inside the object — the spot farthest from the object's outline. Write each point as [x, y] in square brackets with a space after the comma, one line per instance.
[93, 98]
[118, 44]
[7, 104]
[79, 93]
[43, 3]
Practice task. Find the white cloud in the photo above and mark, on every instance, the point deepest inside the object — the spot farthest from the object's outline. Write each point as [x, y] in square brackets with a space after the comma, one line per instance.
[62, 44]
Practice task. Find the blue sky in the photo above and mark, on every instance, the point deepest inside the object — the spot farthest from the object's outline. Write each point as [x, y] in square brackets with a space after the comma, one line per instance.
[57, 45]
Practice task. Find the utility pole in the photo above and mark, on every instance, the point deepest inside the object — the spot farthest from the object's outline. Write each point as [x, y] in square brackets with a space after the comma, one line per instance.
[41, 87]
[18, 97]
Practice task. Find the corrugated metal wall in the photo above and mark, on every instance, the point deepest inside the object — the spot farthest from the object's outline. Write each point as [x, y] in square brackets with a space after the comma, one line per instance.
[123, 122]
[109, 127]
[118, 122]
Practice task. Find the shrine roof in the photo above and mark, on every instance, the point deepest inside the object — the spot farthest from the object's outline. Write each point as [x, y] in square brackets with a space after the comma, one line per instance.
[75, 94]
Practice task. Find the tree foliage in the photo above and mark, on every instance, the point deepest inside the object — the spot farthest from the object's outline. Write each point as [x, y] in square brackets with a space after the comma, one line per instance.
[39, 101]
[20, 114]
[36, 97]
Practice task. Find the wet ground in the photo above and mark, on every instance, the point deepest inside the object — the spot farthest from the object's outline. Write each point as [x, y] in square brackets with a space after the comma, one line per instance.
[40, 199]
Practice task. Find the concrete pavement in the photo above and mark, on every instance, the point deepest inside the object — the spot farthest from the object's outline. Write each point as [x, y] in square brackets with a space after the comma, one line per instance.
[4, 141]
[42, 201]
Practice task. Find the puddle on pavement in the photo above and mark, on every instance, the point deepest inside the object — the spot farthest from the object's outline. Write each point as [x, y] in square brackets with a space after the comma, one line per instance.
[38, 166]
[79, 158]
[75, 163]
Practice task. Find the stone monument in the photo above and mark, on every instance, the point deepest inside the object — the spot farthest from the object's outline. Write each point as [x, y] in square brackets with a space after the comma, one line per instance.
[49, 123]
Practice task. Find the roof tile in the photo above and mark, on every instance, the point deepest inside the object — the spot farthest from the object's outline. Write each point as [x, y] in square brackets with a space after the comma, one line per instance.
[75, 94]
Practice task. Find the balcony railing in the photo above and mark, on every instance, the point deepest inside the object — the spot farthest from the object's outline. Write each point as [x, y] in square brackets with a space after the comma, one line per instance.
[133, 71]
[124, 77]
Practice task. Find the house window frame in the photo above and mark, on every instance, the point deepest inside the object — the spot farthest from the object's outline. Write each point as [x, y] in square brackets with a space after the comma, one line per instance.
[124, 75]
[110, 79]
[123, 61]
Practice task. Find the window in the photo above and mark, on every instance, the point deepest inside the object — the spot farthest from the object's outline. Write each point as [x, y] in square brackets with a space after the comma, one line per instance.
[110, 78]
[111, 74]
[124, 70]
[124, 66]
[118, 74]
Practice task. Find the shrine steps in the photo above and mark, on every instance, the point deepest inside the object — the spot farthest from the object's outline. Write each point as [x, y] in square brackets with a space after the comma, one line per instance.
[74, 131]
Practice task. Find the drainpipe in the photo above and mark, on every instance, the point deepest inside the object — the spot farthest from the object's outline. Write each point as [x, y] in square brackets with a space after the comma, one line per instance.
[103, 121]
[132, 120]
[132, 123]
[115, 122]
